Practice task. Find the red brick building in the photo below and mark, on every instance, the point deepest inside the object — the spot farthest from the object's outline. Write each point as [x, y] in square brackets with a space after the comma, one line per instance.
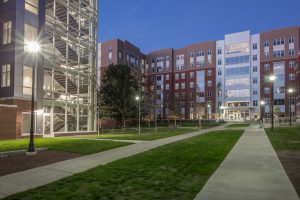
[218, 79]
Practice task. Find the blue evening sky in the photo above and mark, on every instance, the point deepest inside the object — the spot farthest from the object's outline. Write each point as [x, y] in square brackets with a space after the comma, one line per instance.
[157, 24]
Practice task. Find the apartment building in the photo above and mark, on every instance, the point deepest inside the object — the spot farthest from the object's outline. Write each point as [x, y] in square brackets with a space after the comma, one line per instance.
[122, 52]
[66, 66]
[224, 79]
[280, 56]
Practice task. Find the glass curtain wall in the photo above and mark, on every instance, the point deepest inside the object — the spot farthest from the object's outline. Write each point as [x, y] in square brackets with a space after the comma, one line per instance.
[70, 49]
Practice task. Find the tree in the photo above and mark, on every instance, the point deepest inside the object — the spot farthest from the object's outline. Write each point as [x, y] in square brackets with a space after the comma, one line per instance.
[118, 90]
[104, 110]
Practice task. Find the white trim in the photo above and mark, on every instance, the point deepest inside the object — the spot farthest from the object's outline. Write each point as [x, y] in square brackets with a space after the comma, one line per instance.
[8, 106]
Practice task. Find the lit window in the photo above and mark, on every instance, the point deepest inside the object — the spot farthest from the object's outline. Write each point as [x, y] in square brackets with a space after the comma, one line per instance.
[30, 34]
[5, 80]
[7, 30]
[32, 6]
[27, 80]
[292, 77]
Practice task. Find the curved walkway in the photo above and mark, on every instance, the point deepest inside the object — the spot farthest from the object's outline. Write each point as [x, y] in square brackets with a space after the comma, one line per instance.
[252, 170]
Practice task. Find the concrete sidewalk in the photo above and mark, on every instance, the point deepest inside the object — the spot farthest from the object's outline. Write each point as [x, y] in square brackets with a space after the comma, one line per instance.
[252, 170]
[22, 181]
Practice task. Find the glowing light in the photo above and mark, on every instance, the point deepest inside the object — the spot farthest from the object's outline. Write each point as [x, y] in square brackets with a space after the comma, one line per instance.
[33, 47]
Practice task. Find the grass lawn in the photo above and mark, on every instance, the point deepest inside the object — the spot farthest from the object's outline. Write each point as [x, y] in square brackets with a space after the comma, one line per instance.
[174, 171]
[62, 144]
[285, 138]
[146, 134]
[238, 125]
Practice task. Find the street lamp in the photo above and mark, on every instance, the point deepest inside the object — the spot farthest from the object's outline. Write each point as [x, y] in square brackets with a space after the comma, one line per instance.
[290, 91]
[138, 99]
[32, 47]
[262, 103]
[222, 108]
[272, 78]
[208, 111]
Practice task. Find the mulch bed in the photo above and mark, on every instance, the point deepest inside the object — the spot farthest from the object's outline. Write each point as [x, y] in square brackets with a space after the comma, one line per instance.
[291, 163]
[14, 164]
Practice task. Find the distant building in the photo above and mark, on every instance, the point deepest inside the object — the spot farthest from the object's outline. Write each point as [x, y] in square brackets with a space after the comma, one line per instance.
[224, 79]
[66, 72]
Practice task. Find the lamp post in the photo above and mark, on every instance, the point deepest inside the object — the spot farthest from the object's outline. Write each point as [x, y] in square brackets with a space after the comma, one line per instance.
[33, 48]
[139, 101]
[208, 111]
[222, 108]
[272, 79]
[290, 91]
[262, 104]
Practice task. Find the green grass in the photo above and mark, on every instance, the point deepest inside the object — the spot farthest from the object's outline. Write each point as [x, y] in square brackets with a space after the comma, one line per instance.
[175, 171]
[62, 144]
[146, 134]
[285, 138]
[238, 125]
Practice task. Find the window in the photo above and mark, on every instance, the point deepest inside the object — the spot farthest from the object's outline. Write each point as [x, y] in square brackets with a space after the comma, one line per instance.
[267, 55]
[209, 93]
[266, 43]
[191, 95]
[219, 72]
[27, 80]
[167, 86]
[176, 76]
[266, 67]
[200, 53]
[191, 54]
[267, 90]
[292, 64]
[255, 80]
[291, 40]
[209, 72]
[7, 30]
[209, 52]
[5, 79]
[292, 76]
[183, 95]
[192, 74]
[254, 69]
[278, 41]
[30, 34]
[176, 86]
[219, 61]
[191, 84]
[277, 54]
[209, 83]
[237, 60]
[219, 51]
[278, 102]
[254, 92]
[254, 46]
[191, 65]
[237, 71]
[183, 76]
[291, 52]
[167, 77]
[182, 85]
[254, 58]
[254, 103]
[32, 6]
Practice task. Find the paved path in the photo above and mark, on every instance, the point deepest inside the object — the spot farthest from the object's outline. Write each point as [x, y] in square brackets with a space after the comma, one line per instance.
[252, 170]
[22, 181]
[114, 140]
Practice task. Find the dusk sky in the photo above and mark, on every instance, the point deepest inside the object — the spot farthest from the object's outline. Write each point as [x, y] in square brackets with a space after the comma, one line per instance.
[157, 24]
